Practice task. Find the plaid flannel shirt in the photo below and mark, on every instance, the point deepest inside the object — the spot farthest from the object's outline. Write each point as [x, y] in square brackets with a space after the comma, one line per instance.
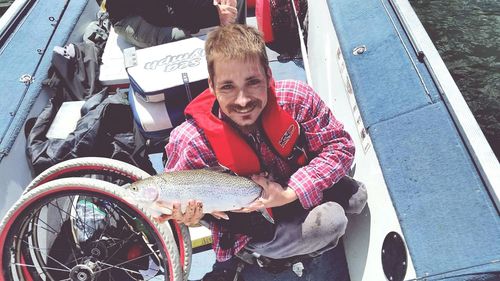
[325, 139]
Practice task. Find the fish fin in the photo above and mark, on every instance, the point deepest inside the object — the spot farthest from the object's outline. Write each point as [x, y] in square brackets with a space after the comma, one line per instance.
[159, 209]
[155, 213]
[266, 215]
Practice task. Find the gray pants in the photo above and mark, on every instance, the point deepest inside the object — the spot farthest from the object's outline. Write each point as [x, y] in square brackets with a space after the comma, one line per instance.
[138, 32]
[312, 232]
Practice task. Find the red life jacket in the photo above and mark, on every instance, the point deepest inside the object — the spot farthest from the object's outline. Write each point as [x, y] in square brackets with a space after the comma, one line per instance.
[230, 148]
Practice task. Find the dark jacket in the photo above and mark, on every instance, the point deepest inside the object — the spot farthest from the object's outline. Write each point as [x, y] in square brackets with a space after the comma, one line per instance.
[188, 14]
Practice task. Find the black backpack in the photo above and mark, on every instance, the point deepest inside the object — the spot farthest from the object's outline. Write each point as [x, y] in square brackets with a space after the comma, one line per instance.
[106, 127]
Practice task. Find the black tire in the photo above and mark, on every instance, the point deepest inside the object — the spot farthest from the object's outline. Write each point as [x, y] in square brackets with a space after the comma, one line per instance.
[45, 236]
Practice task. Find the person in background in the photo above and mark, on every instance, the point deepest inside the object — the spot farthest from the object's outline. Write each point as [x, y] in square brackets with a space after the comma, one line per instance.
[149, 23]
[281, 135]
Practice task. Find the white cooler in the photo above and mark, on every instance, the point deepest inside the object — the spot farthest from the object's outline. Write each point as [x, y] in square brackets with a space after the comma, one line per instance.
[112, 70]
[163, 79]
[158, 72]
[155, 120]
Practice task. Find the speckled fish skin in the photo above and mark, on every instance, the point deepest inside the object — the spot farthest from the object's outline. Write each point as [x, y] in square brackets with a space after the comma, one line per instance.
[216, 190]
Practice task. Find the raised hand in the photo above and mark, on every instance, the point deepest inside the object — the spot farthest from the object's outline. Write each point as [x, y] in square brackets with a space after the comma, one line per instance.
[227, 14]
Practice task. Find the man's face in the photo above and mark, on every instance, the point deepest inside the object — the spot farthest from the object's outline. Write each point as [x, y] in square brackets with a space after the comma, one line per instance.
[240, 87]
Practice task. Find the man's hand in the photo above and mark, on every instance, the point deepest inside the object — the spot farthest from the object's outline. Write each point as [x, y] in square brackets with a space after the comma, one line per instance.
[227, 14]
[192, 216]
[273, 194]
[231, 3]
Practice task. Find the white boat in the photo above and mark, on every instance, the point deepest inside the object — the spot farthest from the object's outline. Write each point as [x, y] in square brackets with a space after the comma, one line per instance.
[432, 178]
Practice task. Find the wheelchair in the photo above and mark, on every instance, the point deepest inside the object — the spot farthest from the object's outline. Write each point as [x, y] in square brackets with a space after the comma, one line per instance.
[73, 222]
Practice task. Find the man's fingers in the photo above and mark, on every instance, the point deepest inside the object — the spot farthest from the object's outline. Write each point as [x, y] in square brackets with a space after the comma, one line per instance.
[227, 14]
[231, 3]
[190, 210]
[176, 212]
[260, 180]
[263, 182]
[198, 213]
[193, 214]
[199, 209]
[229, 10]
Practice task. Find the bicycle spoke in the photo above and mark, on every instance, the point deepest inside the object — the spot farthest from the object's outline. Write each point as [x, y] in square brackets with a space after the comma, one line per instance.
[125, 262]
[122, 242]
[60, 215]
[61, 211]
[45, 267]
[46, 254]
[110, 266]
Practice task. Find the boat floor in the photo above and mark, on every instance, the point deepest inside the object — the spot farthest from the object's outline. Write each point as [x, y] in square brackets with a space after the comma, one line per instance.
[331, 265]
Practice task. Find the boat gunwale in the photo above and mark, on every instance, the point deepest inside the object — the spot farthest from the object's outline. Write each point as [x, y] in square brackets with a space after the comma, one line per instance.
[480, 150]
[12, 17]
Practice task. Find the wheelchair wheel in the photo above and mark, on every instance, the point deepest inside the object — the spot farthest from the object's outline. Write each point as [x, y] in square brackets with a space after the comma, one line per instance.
[107, 169]
[120, 173]
[84, 229]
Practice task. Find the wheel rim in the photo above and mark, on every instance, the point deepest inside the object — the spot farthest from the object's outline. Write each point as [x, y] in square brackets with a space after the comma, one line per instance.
[37, 241]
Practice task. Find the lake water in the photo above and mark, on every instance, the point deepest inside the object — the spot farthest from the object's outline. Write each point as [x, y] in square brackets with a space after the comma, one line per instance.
[467, 35]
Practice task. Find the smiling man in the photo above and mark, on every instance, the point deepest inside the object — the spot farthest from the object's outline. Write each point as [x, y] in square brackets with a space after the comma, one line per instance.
[283, 136]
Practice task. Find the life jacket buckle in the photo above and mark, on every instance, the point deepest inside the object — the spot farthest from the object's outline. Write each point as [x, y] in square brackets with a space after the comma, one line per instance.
[298, 155]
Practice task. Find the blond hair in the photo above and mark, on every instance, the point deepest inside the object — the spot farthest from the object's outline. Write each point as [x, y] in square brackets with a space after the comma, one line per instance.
[235, 42]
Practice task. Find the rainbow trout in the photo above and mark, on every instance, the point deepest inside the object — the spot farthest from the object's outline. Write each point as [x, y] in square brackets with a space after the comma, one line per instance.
[217, 191]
